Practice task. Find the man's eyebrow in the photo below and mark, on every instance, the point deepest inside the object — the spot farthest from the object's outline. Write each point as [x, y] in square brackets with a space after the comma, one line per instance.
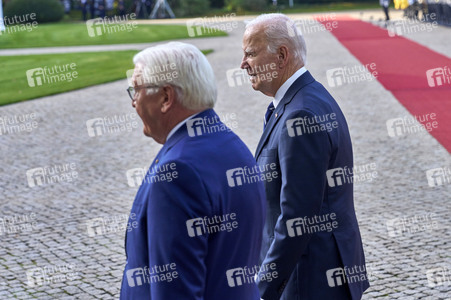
[249, 50]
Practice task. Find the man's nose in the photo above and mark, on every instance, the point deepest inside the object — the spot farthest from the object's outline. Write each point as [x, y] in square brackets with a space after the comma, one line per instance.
[244, 64]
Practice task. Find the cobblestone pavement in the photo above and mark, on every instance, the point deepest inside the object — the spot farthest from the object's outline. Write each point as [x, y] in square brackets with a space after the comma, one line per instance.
[51, 228]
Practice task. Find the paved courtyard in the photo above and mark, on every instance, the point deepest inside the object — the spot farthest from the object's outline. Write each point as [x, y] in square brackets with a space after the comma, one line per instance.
[53, 248]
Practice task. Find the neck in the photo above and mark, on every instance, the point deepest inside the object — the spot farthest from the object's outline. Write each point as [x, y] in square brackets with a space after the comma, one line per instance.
[286, 74]
[176, 117]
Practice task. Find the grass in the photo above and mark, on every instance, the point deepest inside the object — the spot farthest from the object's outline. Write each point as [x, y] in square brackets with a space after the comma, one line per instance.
[91, 68]
[76, 34]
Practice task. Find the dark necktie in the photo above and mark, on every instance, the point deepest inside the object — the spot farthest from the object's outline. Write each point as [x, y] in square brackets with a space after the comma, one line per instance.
[268, 114]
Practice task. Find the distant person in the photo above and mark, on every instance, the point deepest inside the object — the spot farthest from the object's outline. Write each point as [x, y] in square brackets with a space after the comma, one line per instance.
[121, 8]
[92, 8]
[66, 4]
[385, 4]
[101, 8]
[311, 235]
[200, 221]
[84, 9]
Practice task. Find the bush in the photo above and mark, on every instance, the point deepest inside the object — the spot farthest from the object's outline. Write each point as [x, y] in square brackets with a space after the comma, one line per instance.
[190, 8]
[45, 10]
[250, 5]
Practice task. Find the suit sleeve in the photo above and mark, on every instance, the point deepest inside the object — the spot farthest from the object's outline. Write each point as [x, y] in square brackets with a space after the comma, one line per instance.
[303, 161]
[172, 205]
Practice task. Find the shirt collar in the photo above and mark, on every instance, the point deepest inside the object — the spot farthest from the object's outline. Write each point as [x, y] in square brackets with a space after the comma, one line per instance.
[286, 85]
[176, 127]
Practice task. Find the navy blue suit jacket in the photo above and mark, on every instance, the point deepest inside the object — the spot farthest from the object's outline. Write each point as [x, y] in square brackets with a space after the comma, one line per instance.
[311, 234]
[199, 230]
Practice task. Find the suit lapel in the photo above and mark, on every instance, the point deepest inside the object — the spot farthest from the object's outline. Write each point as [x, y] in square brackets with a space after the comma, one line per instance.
[269, 127]
[299, 83]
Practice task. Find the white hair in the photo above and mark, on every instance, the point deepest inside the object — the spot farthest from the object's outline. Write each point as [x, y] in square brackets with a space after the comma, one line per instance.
[182, 66]
[281, 30]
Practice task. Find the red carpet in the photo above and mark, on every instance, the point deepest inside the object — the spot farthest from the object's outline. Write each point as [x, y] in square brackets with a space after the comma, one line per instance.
[401, 65]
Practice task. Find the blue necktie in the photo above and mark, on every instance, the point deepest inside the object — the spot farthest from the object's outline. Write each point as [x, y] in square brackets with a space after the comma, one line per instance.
[268, 114]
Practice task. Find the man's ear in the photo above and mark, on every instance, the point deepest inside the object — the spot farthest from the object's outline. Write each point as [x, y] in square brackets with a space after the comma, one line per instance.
[282, 56]
[169, 98]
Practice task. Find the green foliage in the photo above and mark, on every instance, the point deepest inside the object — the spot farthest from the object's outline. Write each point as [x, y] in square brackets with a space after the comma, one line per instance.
[254, 4]
[251, 5]
[190, 8]
[45, 10]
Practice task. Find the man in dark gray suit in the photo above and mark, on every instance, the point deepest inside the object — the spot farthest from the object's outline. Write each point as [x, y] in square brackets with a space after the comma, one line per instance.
[312, 247]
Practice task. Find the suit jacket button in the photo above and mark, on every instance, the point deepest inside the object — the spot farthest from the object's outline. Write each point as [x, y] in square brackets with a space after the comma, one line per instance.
[276, 115]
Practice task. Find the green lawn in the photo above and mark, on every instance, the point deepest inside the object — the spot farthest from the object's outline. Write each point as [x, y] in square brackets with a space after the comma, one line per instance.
[76, 34]
[91, 68]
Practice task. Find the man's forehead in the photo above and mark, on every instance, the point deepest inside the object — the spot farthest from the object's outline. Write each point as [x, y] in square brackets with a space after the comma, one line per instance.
[253, 37]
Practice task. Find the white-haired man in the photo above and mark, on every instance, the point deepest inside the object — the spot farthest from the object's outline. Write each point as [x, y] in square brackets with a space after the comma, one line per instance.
[311, 233]
[199, 223]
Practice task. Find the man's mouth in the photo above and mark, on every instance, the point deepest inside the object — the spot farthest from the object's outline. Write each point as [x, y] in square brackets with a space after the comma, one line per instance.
[252, 75]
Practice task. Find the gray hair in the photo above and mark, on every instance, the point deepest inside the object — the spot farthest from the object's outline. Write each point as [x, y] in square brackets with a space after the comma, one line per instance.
[281, 30]
[182, 66]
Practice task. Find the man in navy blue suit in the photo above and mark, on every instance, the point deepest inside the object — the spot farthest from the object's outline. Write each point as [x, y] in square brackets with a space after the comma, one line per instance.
[311, 234]
[200, 208]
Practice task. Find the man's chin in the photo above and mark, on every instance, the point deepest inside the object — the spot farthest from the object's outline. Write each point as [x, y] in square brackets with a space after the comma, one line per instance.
[146, 133]
[255, 86]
